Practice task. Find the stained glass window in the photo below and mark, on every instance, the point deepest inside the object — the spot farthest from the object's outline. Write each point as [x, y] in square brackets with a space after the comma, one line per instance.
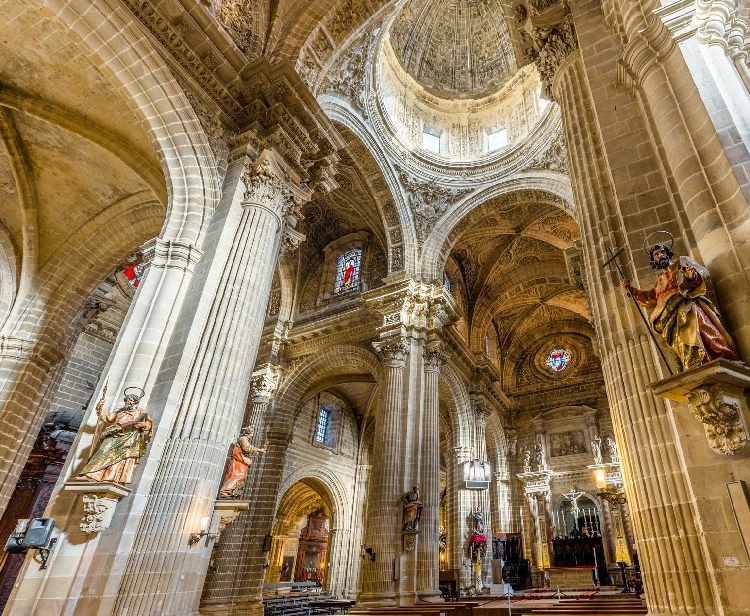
[558, 359]
[322, 431]
[347, 272]
[447, 284]
[135, 273]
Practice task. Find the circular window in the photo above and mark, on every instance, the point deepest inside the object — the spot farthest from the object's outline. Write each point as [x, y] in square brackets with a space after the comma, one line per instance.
[558, 359]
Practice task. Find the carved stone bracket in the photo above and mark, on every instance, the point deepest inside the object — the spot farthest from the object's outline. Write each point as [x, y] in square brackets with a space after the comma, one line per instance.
[226, 512]
[99, 501]
[536, 482]
[410, 539]
[716, 394]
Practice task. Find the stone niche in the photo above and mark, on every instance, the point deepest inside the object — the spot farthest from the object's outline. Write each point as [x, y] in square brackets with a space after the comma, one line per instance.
[567, 434]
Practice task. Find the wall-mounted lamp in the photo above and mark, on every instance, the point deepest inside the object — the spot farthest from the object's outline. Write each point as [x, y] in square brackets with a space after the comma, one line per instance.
[369, 552]
[476, 475]
[600, 477]
[196, 537]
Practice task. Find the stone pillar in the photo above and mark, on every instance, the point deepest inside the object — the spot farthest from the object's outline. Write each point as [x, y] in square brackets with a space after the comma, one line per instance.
[608, 533]
[673, 553]
[336, 562]
[533, 538]
[550, 534]
[197, 402]
[275, 559]
[383, 527]
[481, 413]
[428, 565]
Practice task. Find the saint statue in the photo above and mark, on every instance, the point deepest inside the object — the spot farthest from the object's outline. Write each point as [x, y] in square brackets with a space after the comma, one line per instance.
[241, 461]
[123, 443]
[682, 315]
[540, 457]
[412, 509]
[611, 445]
[596, 448]
[526, 460]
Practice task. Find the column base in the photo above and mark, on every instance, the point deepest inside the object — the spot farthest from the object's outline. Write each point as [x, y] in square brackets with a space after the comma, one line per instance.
[377, 600]
[431, 596]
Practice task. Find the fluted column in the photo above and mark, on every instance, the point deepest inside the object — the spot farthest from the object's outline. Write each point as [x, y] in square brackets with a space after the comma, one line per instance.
[428, 551]
[383, 528]
[533, 538]
[608, 532]
[676, 572]
[275, 559]
[335, 574]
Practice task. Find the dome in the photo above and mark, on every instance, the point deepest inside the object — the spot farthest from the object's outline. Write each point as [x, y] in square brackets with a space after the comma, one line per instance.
[454, 48]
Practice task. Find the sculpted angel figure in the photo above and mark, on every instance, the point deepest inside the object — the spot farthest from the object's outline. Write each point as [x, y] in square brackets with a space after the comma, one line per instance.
[682, 315]
[241, 461]
[412, 509]
[526, 460]
[122, 443]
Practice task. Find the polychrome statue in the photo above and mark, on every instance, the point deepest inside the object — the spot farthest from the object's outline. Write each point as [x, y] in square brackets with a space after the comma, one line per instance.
[682, 315]
[241, 461]
[123, 443]
[412, 509]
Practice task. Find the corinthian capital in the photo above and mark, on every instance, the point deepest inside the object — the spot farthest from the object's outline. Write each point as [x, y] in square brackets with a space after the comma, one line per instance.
[266, 185]
[392, 352]
[434, 360]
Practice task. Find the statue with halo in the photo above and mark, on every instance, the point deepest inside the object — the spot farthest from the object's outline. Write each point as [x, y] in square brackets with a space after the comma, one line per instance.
[682, 315]
[123, 443]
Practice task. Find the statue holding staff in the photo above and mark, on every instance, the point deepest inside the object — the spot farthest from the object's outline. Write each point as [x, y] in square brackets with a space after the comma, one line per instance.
[682, 315]
[123, 443]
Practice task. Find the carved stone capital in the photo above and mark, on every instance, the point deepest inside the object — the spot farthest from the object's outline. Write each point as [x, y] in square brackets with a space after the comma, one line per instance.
[552, 44]
[536, 482]
[392, 352]
[290, 241]
[99, 501]
[434, 360]
[716, 395]
[266, 186]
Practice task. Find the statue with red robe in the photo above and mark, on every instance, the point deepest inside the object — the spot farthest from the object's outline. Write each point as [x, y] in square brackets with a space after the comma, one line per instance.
[241, 460]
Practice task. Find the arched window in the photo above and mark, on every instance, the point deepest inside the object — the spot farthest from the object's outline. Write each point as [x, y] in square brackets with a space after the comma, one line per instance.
[324, 417]
[135, 273]
[558, 359]
[347, 272]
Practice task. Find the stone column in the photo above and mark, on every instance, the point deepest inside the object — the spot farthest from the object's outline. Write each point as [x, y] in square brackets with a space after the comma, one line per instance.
[275, 559]
[335, 574]
[481, 413]
[608, 534]
[428, 564]
[548, 523]
[383, 527]
[197, 402]
[533, 538]
[673, 553]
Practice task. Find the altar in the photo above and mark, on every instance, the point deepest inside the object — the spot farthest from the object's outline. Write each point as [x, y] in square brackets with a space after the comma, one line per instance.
[571, 577]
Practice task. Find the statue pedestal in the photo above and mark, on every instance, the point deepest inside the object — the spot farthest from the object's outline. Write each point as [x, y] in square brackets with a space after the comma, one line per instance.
[709, 411]
[716, 395]
[226, 512]
[99, 502]
[410, 539]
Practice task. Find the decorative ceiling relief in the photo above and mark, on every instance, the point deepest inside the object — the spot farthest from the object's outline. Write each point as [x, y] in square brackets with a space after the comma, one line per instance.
[349, 75]
[554, 158]
[454, 47]
[428, 202]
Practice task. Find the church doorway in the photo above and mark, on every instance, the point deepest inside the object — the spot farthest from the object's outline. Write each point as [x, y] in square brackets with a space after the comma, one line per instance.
[300, 544]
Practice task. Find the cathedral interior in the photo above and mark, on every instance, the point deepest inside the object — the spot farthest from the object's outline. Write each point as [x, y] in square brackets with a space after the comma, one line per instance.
[390, 306]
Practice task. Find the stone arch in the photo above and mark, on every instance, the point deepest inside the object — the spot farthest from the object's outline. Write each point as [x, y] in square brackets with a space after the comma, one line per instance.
[188, 163]
[460, 419]
[330, 488]
[551, 188]
[8, 274]
[312, 373]
[337, 111]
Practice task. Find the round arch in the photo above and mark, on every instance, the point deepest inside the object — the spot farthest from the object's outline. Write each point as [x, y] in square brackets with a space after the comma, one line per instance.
[338, 111]
[339, 361]
[544, 187]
